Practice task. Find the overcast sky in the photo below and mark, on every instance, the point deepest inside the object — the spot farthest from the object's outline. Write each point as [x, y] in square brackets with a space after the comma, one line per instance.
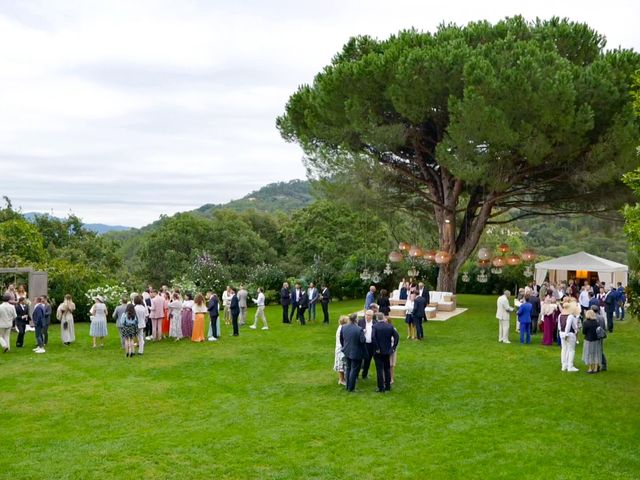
[120, 111]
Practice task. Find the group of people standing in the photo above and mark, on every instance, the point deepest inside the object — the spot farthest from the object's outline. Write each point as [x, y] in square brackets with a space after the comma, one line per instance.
[566, 311]
[360, 341]
[300, 301]
[16, 313]
[149, 316]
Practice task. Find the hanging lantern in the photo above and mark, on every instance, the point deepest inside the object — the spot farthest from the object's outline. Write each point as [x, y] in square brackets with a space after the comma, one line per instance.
[484, 263]
[484, 254]
[430, 255]
[482, 277]
[496, 271]
[465, 277]
[503, 247]
[528, 272]
[499, 262]
[375, 277]
[442, 257]
[387, 269]
[365, 275]
[514, 260]
[412, 272]
[528, 255]
[395, 256]
[415, 251]
[404, 246]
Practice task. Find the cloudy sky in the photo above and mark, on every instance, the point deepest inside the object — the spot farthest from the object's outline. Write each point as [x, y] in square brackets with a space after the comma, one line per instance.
[120, 111]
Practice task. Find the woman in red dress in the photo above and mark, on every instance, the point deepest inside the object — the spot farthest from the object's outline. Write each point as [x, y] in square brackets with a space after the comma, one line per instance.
[550, 312]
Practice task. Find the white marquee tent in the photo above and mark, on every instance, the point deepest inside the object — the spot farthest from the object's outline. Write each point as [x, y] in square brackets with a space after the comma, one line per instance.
[558, 268]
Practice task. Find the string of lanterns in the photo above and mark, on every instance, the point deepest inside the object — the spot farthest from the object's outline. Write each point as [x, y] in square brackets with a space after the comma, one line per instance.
[415, 253]
[486, 259]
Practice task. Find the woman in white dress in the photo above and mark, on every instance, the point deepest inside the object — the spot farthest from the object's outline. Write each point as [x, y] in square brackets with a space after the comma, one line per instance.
[64, 313]
[98, 328]
[339, 362]
[175, 317]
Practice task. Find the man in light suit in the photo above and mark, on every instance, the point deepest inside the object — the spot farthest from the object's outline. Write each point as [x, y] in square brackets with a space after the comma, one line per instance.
[502, 314]
[313, 300]
[242, 303]
[352, 340]
[383, 334]
[7, 317]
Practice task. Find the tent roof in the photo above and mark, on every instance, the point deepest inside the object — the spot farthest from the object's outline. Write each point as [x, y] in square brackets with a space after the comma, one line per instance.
[582, 261]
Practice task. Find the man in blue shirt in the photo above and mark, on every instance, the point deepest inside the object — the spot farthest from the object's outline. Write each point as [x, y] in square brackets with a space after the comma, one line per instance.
[524, 317]
[370, 298]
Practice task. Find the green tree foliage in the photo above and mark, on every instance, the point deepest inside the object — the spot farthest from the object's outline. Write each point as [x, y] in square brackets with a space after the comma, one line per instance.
[168, 251]
[21, 242]
[275, 197]
[470, 122]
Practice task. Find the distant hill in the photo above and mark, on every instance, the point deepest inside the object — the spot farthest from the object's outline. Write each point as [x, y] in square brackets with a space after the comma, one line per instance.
[99, 228]
[275, 197]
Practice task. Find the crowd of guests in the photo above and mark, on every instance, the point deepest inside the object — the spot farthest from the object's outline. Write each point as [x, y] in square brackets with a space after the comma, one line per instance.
[566, 311]
[152, 315]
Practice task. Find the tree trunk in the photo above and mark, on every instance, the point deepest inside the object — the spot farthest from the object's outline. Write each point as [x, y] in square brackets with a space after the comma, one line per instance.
[447, 277]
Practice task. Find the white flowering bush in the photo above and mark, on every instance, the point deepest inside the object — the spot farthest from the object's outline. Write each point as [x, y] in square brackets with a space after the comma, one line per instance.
[111, 294]
[185, 285]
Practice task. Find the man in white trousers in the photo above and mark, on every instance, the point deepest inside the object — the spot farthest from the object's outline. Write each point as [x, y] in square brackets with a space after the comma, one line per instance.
[7, 316]
[503, 315]
[260, 312]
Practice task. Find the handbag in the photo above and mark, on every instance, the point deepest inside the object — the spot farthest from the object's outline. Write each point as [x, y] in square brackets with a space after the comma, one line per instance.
[65, 325]
[601, 332]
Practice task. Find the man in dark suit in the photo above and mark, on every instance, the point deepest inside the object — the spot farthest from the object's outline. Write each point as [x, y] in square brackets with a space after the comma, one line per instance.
[214, 311]
[22, 319]
[535, 311]
[423, 292]
[38, 320]
[235, 312]
[419, 304]
[325, 298]
[366, 324]
[352, 340]
[383, 334]
[303, 304]
[295, 302]
[610, 307]
[285, 301]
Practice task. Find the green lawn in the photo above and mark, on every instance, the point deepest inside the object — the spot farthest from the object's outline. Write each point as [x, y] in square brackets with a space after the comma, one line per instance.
[267, 405]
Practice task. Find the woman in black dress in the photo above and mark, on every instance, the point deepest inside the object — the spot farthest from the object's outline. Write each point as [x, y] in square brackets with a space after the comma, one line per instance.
[384, 306]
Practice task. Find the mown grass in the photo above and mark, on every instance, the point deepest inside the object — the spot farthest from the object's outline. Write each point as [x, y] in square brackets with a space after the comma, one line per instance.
[267, 405]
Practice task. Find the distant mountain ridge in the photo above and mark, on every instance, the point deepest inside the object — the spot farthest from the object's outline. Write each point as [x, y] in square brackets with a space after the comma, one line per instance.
[274, 197]
[99, 228]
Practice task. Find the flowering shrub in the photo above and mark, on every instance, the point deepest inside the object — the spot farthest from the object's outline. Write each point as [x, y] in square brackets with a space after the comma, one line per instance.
[208, 273]
[266, 276]
[111, 294]
[185, 285]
